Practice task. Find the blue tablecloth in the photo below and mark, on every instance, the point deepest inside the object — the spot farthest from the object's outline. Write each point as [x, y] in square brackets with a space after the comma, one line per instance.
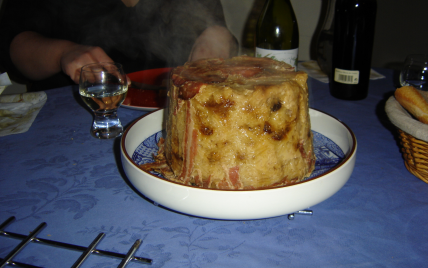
[57, 173]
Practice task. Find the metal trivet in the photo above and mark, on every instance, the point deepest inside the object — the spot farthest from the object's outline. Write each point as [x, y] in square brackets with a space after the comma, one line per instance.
[300, 212]
[126, 258]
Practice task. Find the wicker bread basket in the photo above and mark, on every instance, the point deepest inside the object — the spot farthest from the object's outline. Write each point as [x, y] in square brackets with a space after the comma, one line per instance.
[413, 137]
[415, 153]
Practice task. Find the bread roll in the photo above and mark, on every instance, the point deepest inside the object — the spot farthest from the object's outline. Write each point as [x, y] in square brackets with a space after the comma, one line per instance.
[413, 102]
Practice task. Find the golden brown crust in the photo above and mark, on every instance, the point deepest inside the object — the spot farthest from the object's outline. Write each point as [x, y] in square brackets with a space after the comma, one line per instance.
[413, 102]
[238, 124]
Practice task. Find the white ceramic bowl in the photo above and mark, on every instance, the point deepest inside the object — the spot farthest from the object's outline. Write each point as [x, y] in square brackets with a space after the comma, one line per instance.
[234, 204]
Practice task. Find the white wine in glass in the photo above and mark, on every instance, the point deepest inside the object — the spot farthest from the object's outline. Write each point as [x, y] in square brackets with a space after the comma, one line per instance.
[103, 87]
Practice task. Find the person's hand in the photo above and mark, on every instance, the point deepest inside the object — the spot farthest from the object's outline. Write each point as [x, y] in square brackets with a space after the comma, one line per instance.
[214, 42]
[76, 56]
[38, 57]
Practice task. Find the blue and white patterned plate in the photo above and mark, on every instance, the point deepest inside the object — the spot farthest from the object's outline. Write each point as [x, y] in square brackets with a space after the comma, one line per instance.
[327, 152]
[335, 165]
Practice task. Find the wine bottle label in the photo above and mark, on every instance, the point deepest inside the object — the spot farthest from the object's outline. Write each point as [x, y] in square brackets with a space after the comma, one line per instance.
[346, 76]
[288, 56]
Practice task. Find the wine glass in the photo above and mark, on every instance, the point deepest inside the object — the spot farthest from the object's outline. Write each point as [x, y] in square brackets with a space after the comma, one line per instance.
[103, 87]
[415, 71]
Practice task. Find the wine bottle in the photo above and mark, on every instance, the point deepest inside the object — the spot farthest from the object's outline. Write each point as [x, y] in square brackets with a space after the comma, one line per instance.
[277, 32]
[324, 45]
[354, 24]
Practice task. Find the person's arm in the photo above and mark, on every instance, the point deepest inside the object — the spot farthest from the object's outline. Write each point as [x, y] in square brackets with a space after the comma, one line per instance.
[214, 42]
[38, 57]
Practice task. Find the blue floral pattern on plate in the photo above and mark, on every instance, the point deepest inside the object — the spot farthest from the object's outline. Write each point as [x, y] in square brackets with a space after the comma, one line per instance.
[327, 152]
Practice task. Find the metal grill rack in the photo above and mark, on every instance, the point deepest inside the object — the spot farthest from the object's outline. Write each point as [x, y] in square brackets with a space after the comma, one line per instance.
[86, 251]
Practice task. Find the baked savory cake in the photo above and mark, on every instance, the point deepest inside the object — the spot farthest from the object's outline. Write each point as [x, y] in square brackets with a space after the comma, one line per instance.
[240, 123]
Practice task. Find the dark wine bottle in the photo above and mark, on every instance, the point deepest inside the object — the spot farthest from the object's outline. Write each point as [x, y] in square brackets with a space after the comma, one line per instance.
[277, 32]
[354, 24]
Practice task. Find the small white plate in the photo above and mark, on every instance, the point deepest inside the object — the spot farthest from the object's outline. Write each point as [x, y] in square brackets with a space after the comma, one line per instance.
[239, 204]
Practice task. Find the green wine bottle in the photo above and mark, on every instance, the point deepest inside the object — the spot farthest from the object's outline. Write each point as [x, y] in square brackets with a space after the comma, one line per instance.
[277, 32]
